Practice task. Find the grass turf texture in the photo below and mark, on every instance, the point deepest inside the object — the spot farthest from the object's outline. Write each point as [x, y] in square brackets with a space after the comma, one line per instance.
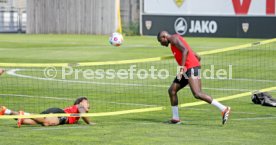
[249, 124]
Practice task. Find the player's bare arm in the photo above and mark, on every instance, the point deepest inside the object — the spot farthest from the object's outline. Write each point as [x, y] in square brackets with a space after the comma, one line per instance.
[83, 109]
[175, 41]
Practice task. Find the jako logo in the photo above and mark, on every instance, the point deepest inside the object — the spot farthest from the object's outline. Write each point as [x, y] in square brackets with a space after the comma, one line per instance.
[180, 26]
[196, 26]
[203, 26]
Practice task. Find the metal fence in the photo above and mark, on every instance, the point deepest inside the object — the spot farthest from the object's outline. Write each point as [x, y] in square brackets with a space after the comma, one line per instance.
[71, 16]
[66, 16]
[13, 20]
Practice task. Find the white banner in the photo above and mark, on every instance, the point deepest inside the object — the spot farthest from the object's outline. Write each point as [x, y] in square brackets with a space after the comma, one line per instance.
[211, 7]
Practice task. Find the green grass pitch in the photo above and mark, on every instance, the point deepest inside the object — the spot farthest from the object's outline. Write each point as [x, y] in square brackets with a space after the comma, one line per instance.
[252, 69]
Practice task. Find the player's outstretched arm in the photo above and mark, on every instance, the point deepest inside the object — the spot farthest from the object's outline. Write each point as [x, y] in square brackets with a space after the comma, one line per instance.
[177, 42]
[87, 121]
[82, 109]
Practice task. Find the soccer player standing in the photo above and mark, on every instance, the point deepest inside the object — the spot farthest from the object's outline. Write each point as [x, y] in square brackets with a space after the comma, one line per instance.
[189, 63]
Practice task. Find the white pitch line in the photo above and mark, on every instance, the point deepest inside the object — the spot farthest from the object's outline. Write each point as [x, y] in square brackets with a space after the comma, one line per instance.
[80, 45]
[132, 104]
[239, 119]
[42, 97]
[60, 128]
[233, 79]
[68, 99]
[254, 80]
[233, 112]
[12, 72]
[255, 118]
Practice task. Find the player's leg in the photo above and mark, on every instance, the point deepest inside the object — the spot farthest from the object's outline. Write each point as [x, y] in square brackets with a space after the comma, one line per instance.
[51, 121]
[47, 121]
[194, 80]
[174, 88]
[6, 111]
[26, 121]
[195, 85]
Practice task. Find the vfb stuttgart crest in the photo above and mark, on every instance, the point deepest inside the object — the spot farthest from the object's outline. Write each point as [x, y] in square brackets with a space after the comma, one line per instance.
[245, 27]
[179, 3]
[148, 24]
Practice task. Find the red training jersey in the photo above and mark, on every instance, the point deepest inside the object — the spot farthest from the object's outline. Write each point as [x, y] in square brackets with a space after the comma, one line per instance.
[191, 60]
[71, 110]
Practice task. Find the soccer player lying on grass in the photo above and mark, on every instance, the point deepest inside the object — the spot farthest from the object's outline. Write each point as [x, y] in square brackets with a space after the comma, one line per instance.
[1, 71]
[81, 105]
[189, 73]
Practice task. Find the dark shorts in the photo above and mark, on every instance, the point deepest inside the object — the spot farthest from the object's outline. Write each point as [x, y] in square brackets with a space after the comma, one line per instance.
[195, 71]
[62, 120]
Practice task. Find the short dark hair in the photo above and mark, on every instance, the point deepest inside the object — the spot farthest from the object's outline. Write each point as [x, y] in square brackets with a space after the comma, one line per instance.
[80, 99]
[158, 35]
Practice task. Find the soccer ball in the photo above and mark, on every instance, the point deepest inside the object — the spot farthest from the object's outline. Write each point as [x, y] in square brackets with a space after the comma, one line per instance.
[116, 39]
